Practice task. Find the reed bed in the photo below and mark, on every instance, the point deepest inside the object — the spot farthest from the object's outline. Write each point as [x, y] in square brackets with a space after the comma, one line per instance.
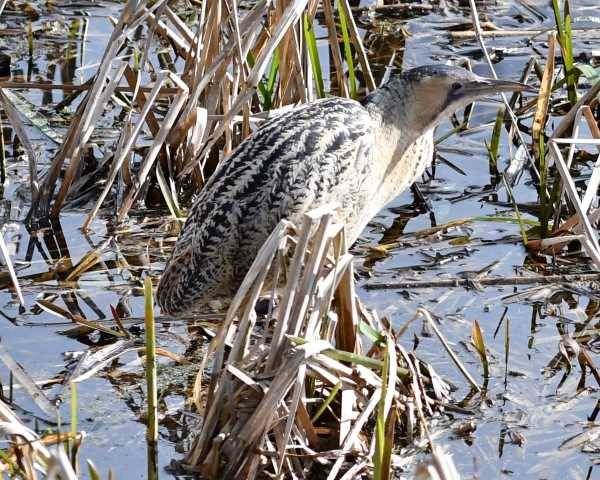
[319, 387]
[237, 66]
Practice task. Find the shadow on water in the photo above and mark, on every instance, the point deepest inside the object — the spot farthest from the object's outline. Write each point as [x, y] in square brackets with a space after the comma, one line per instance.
[543, 386]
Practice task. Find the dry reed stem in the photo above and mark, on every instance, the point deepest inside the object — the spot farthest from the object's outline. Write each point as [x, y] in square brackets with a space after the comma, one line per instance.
[22, 436]
[594, 180]
[257, 407]
[591, 242]
[541, 113]
[19, 128]
[36, 393]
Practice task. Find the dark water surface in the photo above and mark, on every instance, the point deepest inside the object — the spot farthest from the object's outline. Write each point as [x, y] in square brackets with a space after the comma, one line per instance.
[525, 399]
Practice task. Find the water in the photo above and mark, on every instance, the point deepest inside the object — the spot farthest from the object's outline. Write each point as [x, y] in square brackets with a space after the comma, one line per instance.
[526, 397]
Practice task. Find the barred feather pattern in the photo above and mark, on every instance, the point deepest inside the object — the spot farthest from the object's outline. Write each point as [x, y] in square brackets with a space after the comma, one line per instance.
[334, 151]
[314, 155]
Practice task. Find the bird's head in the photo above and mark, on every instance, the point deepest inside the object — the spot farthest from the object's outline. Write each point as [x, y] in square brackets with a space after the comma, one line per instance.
[433, 92]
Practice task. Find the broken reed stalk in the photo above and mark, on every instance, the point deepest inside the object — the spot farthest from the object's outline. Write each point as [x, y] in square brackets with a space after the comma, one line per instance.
[287, 379]
[151, 381]
[538, 133]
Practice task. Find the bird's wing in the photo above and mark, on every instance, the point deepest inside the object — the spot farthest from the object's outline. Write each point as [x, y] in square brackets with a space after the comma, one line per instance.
[301, 159]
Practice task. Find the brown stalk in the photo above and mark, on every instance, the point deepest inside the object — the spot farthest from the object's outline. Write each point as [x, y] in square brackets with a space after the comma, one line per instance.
[543, 101]
[99, 95]
[154, 150]
[334, 46]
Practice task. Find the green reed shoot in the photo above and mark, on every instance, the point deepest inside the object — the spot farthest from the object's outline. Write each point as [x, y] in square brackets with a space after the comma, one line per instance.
[71, 49]
[506, 347]
[517, 212]
[479, 344]
[30, 39]
[543, 192]
[93, 471]
[344, 356]
[372, 334]
[388, 448]
[266, 87]
[380, 421]
[151, 382]
[137, 59]
[169, 195]
[7, 463]
[313, 54]
[494, 146]
[348, 51]
[334, 391]
[386, 418]
[565, 39]
[2, 155]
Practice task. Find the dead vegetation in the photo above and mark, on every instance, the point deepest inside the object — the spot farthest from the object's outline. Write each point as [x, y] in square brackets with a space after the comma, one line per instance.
[236, 66]
[321, 384]
[319, 387]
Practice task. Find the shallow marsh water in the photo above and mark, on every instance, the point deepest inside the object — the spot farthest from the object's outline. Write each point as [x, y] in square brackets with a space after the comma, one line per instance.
[525, 399]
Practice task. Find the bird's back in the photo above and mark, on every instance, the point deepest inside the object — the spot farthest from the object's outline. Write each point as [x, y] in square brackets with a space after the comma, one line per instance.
[310, 156]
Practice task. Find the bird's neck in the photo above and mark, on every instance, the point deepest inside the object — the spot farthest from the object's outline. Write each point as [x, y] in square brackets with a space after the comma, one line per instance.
[403, 137]
[392, 107]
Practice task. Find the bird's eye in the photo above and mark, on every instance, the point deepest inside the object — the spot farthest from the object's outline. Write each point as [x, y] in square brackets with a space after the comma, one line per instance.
[456, 86]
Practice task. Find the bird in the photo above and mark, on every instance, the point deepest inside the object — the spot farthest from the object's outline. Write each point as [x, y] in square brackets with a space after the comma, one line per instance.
[358, 155]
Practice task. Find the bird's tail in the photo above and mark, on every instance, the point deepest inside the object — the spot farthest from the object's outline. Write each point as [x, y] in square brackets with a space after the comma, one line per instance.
[173, 289]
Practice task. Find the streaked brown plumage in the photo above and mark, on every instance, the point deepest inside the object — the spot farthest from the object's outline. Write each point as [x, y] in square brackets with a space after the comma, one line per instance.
[332, 151]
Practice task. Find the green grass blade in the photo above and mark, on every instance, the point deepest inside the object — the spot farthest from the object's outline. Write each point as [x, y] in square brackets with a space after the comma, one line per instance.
[334, 391]
[151, 382]
[517, 212]
[313, 54]
[380, 433]
[565, 38]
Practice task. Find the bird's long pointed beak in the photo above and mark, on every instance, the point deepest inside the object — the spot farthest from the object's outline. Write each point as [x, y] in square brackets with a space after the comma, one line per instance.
[490, 86]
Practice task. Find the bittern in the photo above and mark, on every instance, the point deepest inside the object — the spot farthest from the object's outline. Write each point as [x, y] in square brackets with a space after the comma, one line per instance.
[358, 155]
